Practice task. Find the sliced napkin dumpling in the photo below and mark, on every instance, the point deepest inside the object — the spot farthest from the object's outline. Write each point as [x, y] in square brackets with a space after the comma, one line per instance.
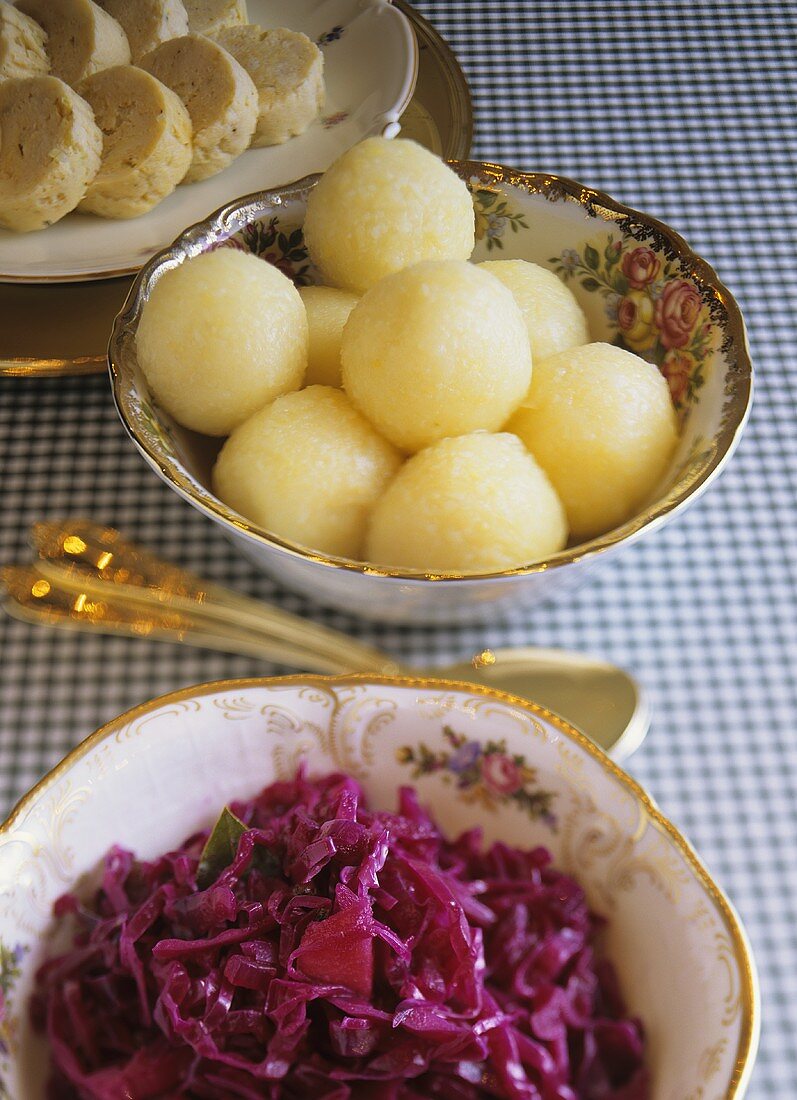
[219, 94]
[288, 72]
[50, 149]
[22, 45]
[147, 23]
[81, 37]
[209, 16]
[146, 141]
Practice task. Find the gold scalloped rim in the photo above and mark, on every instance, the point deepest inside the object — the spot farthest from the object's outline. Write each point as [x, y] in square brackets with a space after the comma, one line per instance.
[750, 993]
[232, 217]
[458, 93]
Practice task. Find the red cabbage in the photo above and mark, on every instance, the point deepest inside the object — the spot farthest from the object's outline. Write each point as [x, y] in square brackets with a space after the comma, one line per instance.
[311, 947]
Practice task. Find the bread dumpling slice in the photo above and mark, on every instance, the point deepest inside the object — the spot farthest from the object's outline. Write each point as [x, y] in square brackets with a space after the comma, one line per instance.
[219, 94]
[147, 23]
[146, 141]
[288, 72]
[81, 37]
[50, 148]
[209, 16]
[22, 45]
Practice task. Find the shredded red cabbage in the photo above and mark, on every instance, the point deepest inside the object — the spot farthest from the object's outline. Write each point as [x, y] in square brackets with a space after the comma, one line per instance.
[337, 953]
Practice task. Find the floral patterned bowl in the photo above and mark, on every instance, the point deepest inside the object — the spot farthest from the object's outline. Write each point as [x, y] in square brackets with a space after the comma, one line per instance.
[160, 772]
[641, 287]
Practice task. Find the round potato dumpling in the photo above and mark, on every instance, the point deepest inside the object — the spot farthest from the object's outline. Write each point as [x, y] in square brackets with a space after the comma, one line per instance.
[328, 311]
[600, 422]
[221, 336]
[436, 350]
[473, 504]
[553, 317]
[383, 206]
[309, 469]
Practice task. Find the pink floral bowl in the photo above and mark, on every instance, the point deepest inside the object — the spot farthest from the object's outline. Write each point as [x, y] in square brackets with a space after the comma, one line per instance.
[641, 287]
[161, 772]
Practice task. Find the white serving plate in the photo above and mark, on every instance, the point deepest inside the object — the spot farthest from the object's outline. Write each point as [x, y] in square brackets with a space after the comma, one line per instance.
[152, 777]
[370, 68]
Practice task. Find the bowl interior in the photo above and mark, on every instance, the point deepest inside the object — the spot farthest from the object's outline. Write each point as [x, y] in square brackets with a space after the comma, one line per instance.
[154, 776]
[639, 284]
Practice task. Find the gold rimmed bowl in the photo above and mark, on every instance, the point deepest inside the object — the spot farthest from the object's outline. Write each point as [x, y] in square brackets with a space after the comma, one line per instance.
[163, 771]
[641, 287]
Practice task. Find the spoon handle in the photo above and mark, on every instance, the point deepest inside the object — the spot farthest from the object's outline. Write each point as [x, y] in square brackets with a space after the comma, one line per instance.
[30, 367]
[93, 555]
[38, 598]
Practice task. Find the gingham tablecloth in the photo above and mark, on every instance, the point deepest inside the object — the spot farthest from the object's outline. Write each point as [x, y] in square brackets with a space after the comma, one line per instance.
[686, 111]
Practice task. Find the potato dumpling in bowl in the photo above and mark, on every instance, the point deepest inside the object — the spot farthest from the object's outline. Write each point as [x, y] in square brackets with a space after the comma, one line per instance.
[472, 504]
[439, 349]
[600, 422]
[520, 433]
[328, 310]
[308, 468]
[382, 206]
[554, 319]
[219, 337]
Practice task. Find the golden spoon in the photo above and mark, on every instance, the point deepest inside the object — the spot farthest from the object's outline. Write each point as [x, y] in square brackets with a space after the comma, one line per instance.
[123, 588]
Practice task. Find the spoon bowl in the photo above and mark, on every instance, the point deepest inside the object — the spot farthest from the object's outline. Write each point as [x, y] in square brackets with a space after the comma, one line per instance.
[596, 697]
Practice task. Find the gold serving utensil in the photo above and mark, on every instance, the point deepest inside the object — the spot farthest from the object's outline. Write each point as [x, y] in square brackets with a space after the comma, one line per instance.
[32, 367]
[138, 593]
[46, 599]
[84, 553]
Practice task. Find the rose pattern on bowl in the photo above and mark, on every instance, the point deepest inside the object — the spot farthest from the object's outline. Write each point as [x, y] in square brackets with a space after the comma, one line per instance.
[279, 244]
[493, 215]
[654, 311]
[485, 773]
